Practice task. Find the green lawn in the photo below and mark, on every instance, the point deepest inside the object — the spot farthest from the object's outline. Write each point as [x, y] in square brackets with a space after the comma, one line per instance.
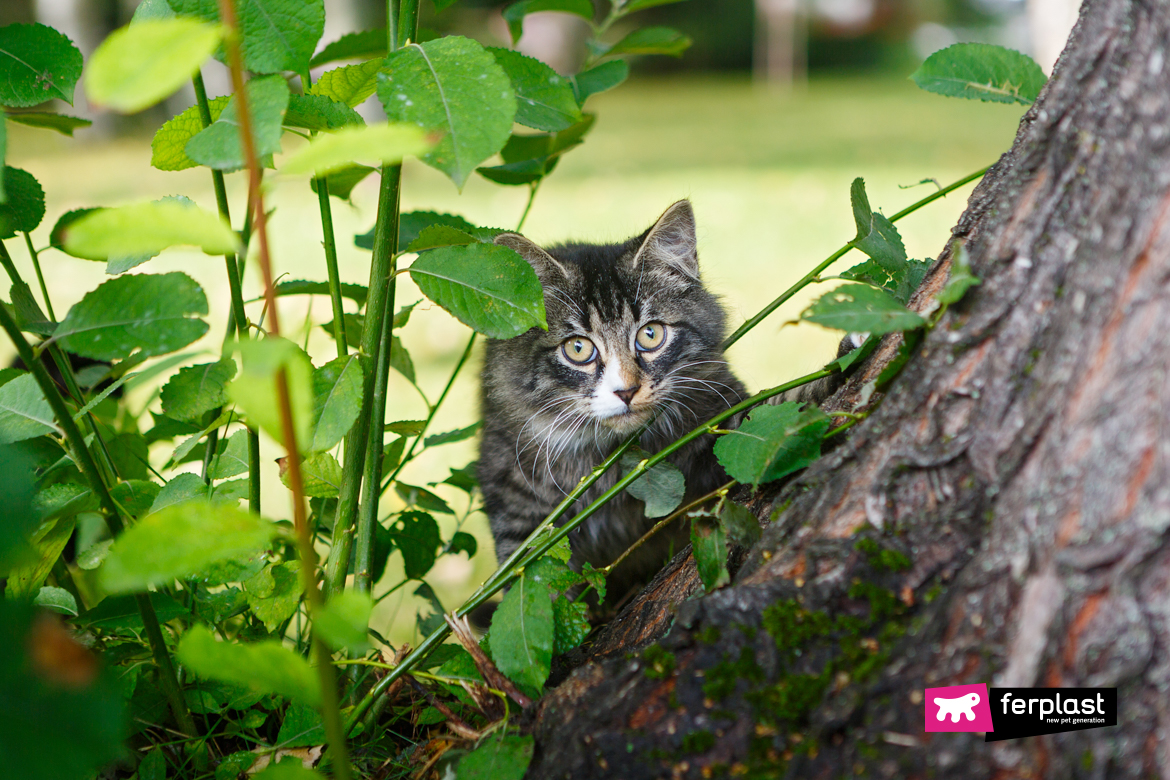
[768, 174]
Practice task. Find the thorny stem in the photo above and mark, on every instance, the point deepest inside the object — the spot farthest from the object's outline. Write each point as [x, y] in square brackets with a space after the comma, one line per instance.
[331, 266]
[545, 535]
[812, 275]
[114, 515]
[668, 520]
[308, 571]
[378, 332]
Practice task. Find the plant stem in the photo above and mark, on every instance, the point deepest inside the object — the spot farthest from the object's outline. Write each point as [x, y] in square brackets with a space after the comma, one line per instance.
[322, 656]
[545, 535]
[431, 415]
[330, 243]
[667, 521]
[814, 273]
[532, 190]
[114, 515]
[238, 316]
[32, 252]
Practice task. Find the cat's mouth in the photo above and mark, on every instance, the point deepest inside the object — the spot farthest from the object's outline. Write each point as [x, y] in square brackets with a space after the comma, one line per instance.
[626, 422]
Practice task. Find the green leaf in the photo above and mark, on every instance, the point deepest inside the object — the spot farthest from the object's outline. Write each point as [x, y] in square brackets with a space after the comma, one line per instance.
[981, 71]
[56, 599]
[274, 592]
[652, 40]
[487, 287]
[846, 361]
[740, 524]
[343, 620]
[412, 495]
[412, 223]
[515, 13]
[152, 9]
[859, 308]
[900, 281]
[773, 442]
[862, 213]
[544, 98]
[342, 181]
[642, 5]
[499, 757]
[254, 390]
[349, 84]
[440, 235]
[317, 113]
[180, 541]
[25, 205]
[460, 434]
[37, 63]
[24, 412]
[218, 146]
[400, 359]
[140, 64]
[320, 473]
[416, 534]
[197, 389]
[288, 768]
[463, 542]
[63, 716]
[709, 546]
[267, 667]
[427, 624]
[144, 314]
[302, 727]
[278, 35]
[405, 427]
[136, 495]
[62, 123]
[148, 228]
[121, 613]
[355, 292]
[3, 154]
[337, 398]
[352, 46]
[48, 541]
[522, 634]
[333, 151]
[231, 458]
[599, 78]
[960, 280]
[571, 624]
[451, 87]
[170, 141]
[661, 488]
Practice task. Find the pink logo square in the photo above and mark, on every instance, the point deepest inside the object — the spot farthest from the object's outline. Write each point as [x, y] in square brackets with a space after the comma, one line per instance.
[958, 708]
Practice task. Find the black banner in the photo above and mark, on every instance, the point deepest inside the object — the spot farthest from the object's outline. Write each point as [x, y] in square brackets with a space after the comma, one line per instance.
[1028, 712]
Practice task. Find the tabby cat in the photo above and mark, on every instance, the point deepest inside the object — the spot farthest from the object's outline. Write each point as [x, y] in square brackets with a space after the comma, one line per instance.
[632, 335]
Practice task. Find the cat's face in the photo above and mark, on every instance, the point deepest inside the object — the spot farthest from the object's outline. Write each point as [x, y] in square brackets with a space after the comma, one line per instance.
[632, 332]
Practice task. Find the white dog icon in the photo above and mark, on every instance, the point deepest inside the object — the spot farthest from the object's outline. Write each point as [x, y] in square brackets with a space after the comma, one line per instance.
[964, 705]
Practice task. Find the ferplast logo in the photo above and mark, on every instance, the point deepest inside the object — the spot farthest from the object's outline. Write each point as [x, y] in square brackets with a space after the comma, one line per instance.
[1012, 713]
[958, 708]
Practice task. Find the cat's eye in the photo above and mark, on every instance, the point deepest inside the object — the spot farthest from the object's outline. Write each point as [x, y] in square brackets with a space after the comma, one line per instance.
[579, 350]
[650, 337]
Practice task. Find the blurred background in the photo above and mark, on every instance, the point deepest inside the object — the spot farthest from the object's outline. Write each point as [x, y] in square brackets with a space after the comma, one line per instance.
[762, 123]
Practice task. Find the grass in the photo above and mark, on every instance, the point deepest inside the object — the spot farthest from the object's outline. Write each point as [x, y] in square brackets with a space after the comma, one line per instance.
[768, 174]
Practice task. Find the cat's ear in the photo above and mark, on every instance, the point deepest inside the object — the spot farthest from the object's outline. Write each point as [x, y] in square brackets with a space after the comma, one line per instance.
[546, 266]
[671, 242]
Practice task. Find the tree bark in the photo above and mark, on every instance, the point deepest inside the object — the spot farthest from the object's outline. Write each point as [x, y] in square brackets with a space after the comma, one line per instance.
[1018, 466]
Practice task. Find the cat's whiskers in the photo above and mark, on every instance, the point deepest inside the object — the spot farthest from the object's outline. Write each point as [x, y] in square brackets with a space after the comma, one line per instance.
[565, 299]
[711, 386]
[537, 436]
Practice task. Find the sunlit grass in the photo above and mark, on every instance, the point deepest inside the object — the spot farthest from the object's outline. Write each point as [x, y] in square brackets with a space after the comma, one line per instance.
[768, 174]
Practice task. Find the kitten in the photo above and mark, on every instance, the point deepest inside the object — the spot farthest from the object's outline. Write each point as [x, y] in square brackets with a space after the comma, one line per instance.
[632, 333]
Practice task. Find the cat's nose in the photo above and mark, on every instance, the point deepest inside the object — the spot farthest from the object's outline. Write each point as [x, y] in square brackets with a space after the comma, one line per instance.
[627, 395]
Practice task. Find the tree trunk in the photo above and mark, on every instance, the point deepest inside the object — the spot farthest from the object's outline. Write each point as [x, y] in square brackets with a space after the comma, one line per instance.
[1001, 517]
